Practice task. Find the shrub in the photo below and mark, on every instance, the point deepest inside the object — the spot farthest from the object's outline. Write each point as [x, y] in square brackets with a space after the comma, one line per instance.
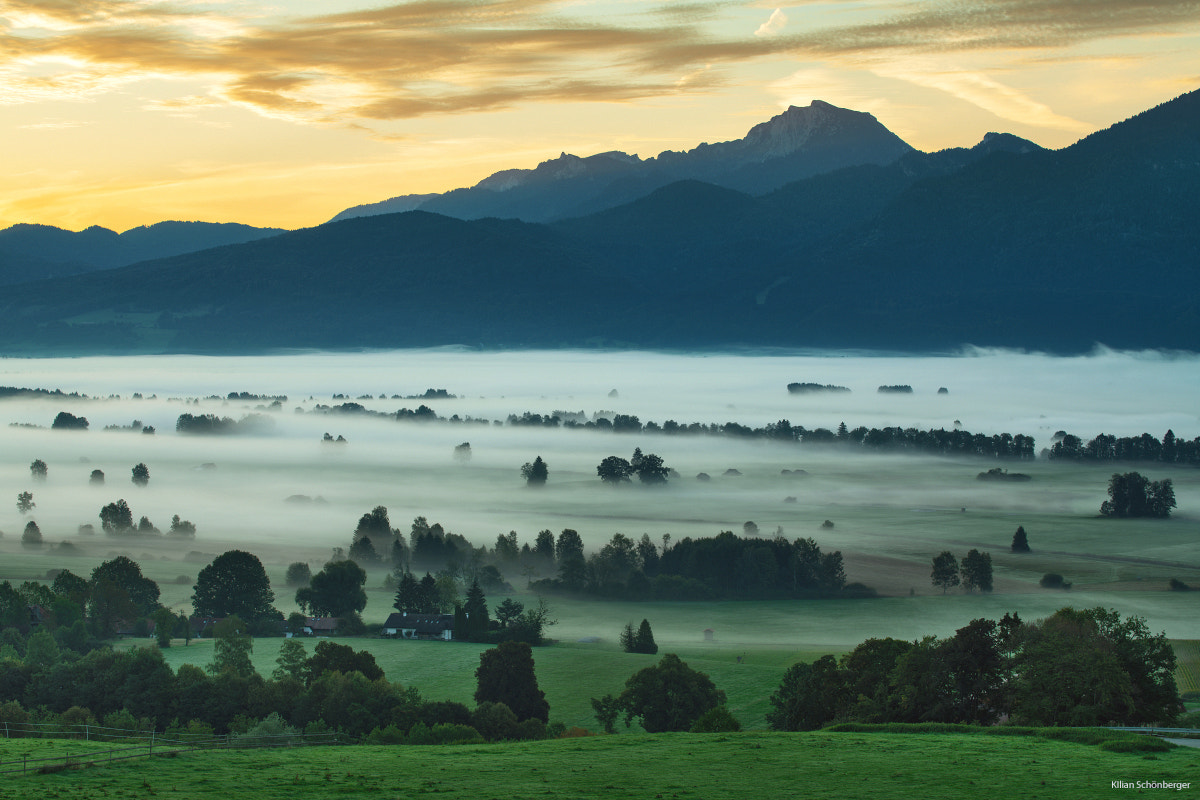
[494, 721]
[385, 735]
[532, 729]
[1052, 580]
[717, 720]
[272, 725]
[451, 733]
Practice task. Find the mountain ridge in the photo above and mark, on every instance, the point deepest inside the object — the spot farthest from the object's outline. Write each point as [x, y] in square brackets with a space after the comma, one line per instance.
[794, 144]
[1000, 244]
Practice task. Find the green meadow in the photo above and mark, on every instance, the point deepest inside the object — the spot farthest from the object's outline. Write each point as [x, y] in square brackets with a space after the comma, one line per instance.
[882, 766]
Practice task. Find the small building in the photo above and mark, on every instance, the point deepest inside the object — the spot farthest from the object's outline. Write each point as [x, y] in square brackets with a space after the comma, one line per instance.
[405, 625]
[710, 635]
[321, 626]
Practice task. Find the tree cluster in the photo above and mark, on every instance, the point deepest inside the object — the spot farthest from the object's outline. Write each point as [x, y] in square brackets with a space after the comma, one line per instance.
[649, 469]
[66, 421]
[335, 689]
[116, 519]
[1105, 447]
[638, 641]
[211, 424]
[721, 567]
[1132, 495]
[1078, 668]
[975, 571]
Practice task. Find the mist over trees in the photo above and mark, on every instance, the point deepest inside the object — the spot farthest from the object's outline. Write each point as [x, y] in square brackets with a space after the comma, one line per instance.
[722, 567]
[1131, 495]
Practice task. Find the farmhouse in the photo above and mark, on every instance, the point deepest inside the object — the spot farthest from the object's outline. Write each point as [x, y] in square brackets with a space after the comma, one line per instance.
[404, 625]
[321, 626]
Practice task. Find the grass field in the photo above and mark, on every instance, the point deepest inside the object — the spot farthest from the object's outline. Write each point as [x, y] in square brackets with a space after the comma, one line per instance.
[571, 673]
[1187, 673]
[881, 766]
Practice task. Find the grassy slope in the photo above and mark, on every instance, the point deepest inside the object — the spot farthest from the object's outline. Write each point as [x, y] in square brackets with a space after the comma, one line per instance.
[821, 764]
[571, 673]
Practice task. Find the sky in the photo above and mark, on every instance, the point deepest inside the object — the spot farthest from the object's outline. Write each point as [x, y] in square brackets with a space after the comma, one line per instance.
[123, 113]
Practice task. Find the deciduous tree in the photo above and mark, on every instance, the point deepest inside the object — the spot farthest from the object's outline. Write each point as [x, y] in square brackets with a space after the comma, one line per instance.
[945, 571]
[232, 647]
[235, 583]
[614, 470]
[669, 696]
[809, 696]
[335, 591]
[506, 675]
[977, 571]
[116, 518]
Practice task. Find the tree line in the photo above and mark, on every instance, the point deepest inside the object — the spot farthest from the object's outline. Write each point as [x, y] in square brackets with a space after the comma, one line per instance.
[1076, 667]
[1143, 448]
[725, 566]
[334, 689]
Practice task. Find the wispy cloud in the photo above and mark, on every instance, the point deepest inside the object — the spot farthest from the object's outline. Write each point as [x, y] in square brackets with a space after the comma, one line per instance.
[440, 56]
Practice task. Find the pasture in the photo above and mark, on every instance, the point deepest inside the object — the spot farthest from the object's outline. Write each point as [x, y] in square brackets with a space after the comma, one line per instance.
[883, 766]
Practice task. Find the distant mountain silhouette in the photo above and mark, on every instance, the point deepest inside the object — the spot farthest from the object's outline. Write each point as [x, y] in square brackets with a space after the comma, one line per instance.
[796, 144]
[1001, 244]
[29, 252]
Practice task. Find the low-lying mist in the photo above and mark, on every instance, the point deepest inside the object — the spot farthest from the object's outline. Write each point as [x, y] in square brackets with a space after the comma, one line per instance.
[287, 494]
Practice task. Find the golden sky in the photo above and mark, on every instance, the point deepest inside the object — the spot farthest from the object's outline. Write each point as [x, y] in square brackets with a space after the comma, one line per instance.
[127, 112]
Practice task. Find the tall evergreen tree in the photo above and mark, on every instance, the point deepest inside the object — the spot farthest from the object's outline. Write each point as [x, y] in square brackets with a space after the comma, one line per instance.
[1020, 542]
[408, 594]
[476, 614]
[643, 640]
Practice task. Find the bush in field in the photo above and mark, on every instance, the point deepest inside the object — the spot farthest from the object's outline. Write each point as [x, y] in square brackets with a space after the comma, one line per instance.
[717, 720]
[1052, 580]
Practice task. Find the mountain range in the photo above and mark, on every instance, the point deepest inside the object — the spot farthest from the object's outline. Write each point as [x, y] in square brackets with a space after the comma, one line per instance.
[785, 238]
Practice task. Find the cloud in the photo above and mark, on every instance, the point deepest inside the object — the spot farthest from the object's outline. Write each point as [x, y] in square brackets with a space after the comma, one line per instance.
[991, 95]
[410, 59]
[774, 24]
[965, 25]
